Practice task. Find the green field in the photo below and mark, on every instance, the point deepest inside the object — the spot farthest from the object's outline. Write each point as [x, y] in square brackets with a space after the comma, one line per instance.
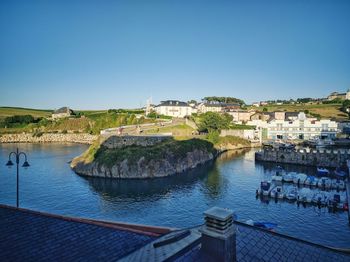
[329, 111]
[11, 111]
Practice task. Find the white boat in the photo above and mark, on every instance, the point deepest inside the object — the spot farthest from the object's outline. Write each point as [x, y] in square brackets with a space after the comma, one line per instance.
[320, 198]
[338, 200]
[265, 188]
[311, 181]
[325, 183]
[277, 177]
[338, 184]
[299, 179]
[288, 177]
[322, 171]
[292, 193]
[277, 192]
[305, 195]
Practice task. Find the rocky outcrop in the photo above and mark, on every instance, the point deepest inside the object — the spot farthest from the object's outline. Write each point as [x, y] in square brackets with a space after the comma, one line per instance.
[133, 161]
[48, 138]
[143, 168]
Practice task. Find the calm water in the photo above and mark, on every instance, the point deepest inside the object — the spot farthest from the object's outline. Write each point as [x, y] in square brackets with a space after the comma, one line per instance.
[49, 185]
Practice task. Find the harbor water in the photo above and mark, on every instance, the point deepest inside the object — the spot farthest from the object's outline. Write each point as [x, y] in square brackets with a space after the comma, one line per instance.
[231, 181]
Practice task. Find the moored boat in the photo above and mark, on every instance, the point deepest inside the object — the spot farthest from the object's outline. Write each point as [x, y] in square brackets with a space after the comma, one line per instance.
[299, 179]
[324, 183]
[277, 192]
[311, 181]
[305, 195]
[320, 198]
[265, 188]
[322, 171]
[288, 177]
[338, 184]
[291, 193]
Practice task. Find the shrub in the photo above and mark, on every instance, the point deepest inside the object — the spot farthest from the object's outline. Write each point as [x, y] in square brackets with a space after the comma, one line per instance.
[64, 131]
[213, 136]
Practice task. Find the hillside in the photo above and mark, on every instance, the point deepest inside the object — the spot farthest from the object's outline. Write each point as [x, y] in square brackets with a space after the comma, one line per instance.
[11, 111]
[330, 111]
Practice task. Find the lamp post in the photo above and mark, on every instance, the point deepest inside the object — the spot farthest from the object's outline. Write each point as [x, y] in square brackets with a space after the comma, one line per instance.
[9, 163]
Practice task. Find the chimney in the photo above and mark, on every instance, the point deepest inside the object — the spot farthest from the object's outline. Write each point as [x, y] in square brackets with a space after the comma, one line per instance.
[219, 234]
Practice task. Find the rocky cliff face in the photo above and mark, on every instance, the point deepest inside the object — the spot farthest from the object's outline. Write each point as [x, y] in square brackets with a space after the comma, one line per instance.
[160, 160]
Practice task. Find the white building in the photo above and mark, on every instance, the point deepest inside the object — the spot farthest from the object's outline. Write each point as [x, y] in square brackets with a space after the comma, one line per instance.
[174, 108]
[300, 127]
[62, 112]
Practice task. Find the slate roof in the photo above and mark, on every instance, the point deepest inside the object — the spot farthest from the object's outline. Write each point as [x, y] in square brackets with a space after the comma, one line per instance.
[33, 236]
[64, 110]
[254, 244]
[173, 103]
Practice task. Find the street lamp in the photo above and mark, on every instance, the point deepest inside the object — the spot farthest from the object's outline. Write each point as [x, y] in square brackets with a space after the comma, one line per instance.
[9, 163]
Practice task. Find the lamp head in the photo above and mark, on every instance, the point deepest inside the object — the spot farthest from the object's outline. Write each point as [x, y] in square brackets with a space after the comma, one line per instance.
[25, 164]
[9, 163]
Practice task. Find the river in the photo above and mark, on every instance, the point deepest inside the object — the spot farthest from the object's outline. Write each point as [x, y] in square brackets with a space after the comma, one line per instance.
[49, 185]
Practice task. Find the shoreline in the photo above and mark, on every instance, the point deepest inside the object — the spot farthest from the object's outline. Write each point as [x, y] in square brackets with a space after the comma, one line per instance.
[82, 138]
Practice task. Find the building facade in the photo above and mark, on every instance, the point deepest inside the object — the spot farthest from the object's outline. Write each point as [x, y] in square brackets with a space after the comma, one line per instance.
[336, 95]
[302, 128]
[62, 112]
[174, 108]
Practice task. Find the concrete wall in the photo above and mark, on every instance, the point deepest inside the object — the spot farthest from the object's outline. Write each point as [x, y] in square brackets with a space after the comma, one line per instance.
[328, 158]
[243, 133]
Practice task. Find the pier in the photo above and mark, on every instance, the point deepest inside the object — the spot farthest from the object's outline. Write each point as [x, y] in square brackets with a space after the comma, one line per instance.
[306, 156]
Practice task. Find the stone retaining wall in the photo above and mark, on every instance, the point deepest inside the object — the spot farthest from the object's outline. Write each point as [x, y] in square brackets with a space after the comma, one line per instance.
[48, 138]
[327, 158]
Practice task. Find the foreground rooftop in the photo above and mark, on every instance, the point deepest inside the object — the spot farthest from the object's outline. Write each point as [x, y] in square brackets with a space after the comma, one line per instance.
[34, 236]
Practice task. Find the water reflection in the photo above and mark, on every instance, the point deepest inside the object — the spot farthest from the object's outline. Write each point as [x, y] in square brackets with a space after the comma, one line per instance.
[149, 188]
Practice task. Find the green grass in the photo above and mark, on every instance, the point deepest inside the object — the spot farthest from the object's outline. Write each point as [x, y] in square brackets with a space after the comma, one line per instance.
[181, 130]
[11, 111]
[233, 140]
[171, 149]
[324, 111]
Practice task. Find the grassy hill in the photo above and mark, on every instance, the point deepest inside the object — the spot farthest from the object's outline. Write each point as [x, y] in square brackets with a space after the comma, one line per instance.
[329, 111]
[11, 111]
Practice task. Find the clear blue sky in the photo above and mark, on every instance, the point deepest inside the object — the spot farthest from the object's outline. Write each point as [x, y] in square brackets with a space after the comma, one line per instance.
[116, 54]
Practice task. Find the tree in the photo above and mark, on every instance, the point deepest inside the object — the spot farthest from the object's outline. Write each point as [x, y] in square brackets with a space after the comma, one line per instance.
[212, 121]
[346, 107]
[223, 99]
[265, 109]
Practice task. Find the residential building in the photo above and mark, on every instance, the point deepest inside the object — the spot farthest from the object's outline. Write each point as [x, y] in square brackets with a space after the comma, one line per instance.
[256, 104]
[240, 115]
[174, 108]
[217, 107]
[336, 95]
[299, 127]
[62, 112]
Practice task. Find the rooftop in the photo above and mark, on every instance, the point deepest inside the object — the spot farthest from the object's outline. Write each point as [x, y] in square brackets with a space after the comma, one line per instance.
[35, 236]
[173, 103]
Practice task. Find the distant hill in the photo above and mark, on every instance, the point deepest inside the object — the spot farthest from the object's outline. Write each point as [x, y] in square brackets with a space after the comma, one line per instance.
[11, 111]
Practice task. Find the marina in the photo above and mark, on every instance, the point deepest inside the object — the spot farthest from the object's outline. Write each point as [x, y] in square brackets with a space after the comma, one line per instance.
[320, 190]
[177, 201]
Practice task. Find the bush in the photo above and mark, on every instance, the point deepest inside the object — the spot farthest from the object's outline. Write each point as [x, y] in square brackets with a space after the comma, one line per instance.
[212, 121]
[213, 137]
[64, 131]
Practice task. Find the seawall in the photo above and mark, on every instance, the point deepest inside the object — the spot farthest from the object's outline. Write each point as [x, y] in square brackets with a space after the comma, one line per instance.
[48, 138]
[327, 158]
